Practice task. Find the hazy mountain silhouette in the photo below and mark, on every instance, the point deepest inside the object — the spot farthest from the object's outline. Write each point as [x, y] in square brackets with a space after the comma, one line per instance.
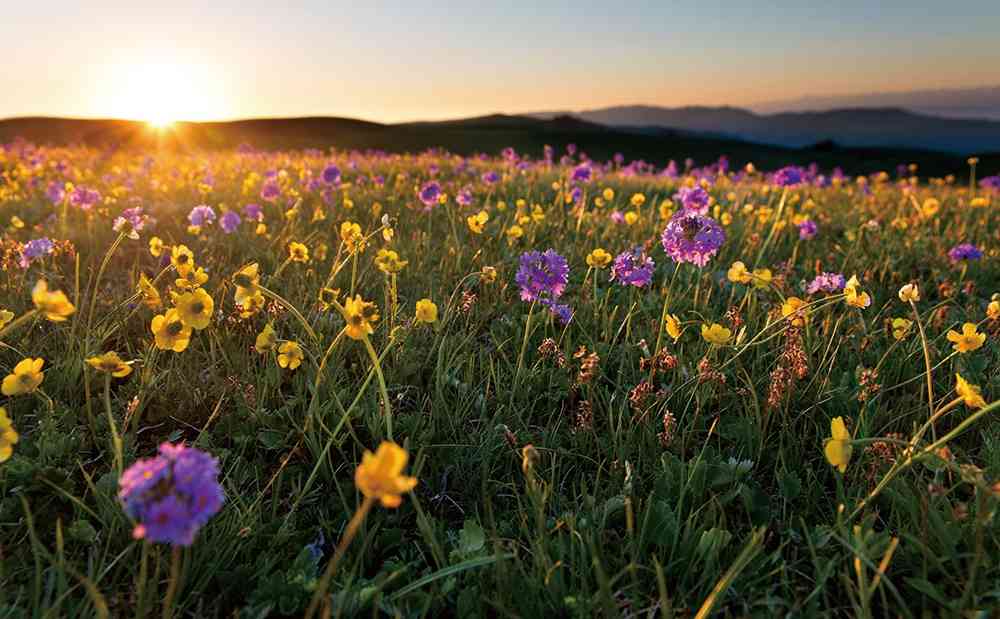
[977, 103]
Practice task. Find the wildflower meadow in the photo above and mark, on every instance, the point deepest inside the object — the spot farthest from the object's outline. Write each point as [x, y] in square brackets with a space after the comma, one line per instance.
[248, 383]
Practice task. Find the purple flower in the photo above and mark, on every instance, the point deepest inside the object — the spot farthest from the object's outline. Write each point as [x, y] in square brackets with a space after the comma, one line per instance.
[269, 190]
[134, 218]
[254, 212]
[617, 216]
[694, 238]
[633, 268]
[35, 249]
[990, 182]
[201, 215]
[789, 176]
[491, 178]
[542, 275]
[965, 251]
[563, 312]
[430, 193]
[55, 192]
[807, 229]
[230, 221]
[694, 199]
[83, 198]
[582, 173]
[331, 174]
[464, 196]
[831, 283]
[172, 495]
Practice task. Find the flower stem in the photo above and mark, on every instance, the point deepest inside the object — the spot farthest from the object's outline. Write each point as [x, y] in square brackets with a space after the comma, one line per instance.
[381, 385]
[319, 597]
[173, 584]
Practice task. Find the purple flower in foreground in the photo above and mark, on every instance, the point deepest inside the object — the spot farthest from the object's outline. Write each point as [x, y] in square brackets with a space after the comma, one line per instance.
[807, 229]
[693, 199]
[542, 275]
[965, 251]
[331, 174]
[201, 215]
[230, 221]
[694, 238]
[633, 268]
[561, 311]
[430, 193]
[132, 217]
[789, 176]
[172, 495]
[35, 249]
[582, 173]
[254, 212]
[831, 283]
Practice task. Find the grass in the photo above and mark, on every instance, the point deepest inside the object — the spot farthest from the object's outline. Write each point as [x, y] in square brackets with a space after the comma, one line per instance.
[599, 468]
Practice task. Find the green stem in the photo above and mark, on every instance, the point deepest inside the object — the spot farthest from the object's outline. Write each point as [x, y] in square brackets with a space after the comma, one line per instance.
[381, 385]
[319, 597]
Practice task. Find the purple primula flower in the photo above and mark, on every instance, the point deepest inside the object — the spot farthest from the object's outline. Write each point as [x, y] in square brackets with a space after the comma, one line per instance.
[693, 199]
[270, 191]
[831, 283]
[430, 193]
[542, 275]
[965, 251]
[617, 217]
[84, 198]
[789, 176]
[172, 495]
[491, 178]
[633, 268]
[331, 174]
[807, 229]
[464, 196]
[990, 182]
[230, 221]
[254, 212]
[201, 215]
[582, 173]
[35, 249]
[55, 192]
[134, 218]
[561, 311]
[694, 238]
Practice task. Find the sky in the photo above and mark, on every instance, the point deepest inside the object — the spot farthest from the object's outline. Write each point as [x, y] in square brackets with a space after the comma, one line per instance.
[398, 61]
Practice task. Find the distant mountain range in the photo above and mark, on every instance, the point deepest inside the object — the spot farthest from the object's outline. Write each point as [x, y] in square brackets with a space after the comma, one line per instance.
[976, 103]
[854, 127]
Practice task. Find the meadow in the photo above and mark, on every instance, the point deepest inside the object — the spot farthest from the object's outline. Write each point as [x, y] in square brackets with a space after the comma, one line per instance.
[252, 383]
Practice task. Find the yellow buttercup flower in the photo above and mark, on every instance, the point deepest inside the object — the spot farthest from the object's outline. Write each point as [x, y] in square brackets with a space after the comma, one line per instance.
[838, 448]
[380, 474]
[53, 305]
[909, 293]
[183, 259]
[715, 333]
[290, 355]
[673, 327]
[170, 332]
[150, 295]
[298, 252]
[8, 436]
[854, 296]
[637, 200]
[5, 317]
[489, 275]
[156, 246]
[631, 218]
[267, 339]
[969, 393]
[608, 194]
[351, 236]
[110, 363]
[794, 309]
[513, 233]
[599, 258]
[762, 278]
[389, 262]
[359, 315]
[251, 305]
[901, 327]
[993, 310]
[968, 340]
[426, 311]
[194, 279]
[25, 378]
[195, 308]
[738, 273]
[477, 222]
[247, 281]
[930, 208]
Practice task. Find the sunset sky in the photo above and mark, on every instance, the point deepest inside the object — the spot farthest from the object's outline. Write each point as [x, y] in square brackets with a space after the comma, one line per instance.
[410, 60]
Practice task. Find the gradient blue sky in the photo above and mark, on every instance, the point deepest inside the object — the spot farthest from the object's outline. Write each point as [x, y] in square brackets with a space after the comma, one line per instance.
[391, 61]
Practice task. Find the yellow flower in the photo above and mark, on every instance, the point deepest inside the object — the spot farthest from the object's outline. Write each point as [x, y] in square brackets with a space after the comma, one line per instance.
[854, 296]
[968, 340]
[195, 308]
[298, 252]
[513, 233]
[267, 339]
[350, 234]
[608, 194]
[637, 200]
[388, 261]
[380, 474]
[426, 311]
[489, 275]
[247, 280]
[993, 310]
[794, 310]
[969, 393]
[290, 355]
[478, 221]
[537, 214]
[599, 258]
[5, 317]
[156, 246]
[183, 259]
[53, 305]
[715, 333]
[762, 278]
[901, 327]
[673, 327]
[261, 229]
[8, 436]
[194, 279]
[387, 234]
[25, 378]
[16, 222]
[111, 363]
[251, 305]
[738, 273]
[631, 218]
[359, 315]
[930, 208]
[909, 293]
[838, 447]
[170, 332]
[150, 295]
[327, 297]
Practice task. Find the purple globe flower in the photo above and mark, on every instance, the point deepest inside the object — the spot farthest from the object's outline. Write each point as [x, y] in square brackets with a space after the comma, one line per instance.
[694, 238]
[789, 176]
[201, 215]
[253, 212]
[84, 198]
[331, 174]
[132, 217]
[491, 178]
[35, 249]
[464, 196]
[430, 193]
[55, 192]
[230, 221]
[172, 495]
[633, 268]
[269, 190]
[542, 275]
[694, 199]
[561, 311]
[990, 182]
[582, 173]
[808, 230]
[965, 251]
[831, 283]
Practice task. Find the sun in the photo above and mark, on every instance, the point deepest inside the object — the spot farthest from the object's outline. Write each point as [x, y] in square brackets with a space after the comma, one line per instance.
[162, 92]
